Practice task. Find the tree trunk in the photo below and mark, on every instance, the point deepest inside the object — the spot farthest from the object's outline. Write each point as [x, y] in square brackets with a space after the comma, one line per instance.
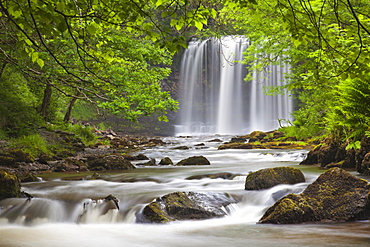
[67, 117]
[45, 107]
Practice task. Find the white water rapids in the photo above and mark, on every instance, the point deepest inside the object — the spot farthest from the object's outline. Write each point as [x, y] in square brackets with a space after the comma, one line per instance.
[63, 214]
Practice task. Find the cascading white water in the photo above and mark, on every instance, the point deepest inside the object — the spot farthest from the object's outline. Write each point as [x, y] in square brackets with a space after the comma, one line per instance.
[215, 98]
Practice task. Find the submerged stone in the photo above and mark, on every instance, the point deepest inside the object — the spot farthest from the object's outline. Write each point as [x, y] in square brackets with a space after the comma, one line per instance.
[336, 196]
[223, 175]
[270, 177]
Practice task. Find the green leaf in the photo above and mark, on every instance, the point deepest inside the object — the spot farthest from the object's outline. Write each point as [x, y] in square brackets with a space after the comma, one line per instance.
[40, 62]
[198, 25]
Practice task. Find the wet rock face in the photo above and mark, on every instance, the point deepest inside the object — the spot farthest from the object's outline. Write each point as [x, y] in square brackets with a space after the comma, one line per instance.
[194, 161]
[270, 177]
[336, 196]
[186, 206]
[10, 185]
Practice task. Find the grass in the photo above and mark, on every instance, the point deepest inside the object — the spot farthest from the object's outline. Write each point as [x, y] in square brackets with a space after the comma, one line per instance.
[34, 145]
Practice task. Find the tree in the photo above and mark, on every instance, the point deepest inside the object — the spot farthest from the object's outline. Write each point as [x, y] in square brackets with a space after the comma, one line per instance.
[326, 43]
[110, 52]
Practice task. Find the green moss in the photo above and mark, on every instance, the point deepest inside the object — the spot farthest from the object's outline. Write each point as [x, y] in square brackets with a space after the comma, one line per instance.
[154, 213]
[10, 185]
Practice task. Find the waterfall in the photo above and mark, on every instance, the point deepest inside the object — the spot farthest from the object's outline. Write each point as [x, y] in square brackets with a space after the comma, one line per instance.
[215, 99]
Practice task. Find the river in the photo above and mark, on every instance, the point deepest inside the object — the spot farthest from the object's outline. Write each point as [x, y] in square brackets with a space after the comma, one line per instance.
[63, 214]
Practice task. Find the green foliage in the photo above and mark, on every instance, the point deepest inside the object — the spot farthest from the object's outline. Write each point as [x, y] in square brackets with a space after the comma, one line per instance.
[34, 145]
[325, 43]
[86, 133]
[354, 145]
[18, 114]
[111, 53]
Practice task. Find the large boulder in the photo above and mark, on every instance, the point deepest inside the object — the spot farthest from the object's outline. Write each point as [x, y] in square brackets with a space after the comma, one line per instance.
[10, 185]
[363, 156]
[336, 196]
[194, 161]
[109, 162]
[186, 206]
[331, 154]
[270, 177]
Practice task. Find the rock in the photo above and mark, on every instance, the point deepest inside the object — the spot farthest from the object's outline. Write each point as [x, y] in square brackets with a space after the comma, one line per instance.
[108, 162]
[186, 206]
[238, 140]
[194, 161]
[136, 157]
[223, 175]
[166, 161]
[157, 141]
[240, 146]
[331, 154]
[256, 136]
[151, 162]
[10, 157]
[94, 176]
[215, 140]
[336, 196]
[363, 165]
[10, 185]
[270, 177]
[134, 180]
[182, 148]
[28, 177]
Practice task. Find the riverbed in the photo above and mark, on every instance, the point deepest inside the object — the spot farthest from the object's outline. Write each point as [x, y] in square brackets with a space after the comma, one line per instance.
[63, 212]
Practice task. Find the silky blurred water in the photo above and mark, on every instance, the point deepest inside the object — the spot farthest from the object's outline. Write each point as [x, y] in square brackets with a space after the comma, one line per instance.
[69, 213]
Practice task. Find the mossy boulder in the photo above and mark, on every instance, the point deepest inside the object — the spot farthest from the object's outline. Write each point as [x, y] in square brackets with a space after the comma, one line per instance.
[331, 154]
[10, 157]
[363, 156]
[166, 161]
[10, 185]
[336, 196]
[108, 162]
[194, 161]
[270, 177]
[186, 206]
[28, 177]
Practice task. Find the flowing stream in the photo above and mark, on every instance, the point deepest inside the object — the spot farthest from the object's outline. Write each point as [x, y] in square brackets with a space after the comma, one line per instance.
[69, 213]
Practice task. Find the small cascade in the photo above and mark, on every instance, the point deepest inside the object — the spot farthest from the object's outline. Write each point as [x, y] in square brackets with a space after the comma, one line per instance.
[34, 211]
[41, 210]
[215, 98]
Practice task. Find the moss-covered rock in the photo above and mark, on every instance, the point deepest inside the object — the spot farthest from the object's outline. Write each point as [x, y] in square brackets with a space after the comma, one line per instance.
[10, 185]
[186, 206]
[28, 177]
[194, 161]
[269, 177]
[331, 154]
[166, 161]
[10, 157]
[336, 196]
[108, 162]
